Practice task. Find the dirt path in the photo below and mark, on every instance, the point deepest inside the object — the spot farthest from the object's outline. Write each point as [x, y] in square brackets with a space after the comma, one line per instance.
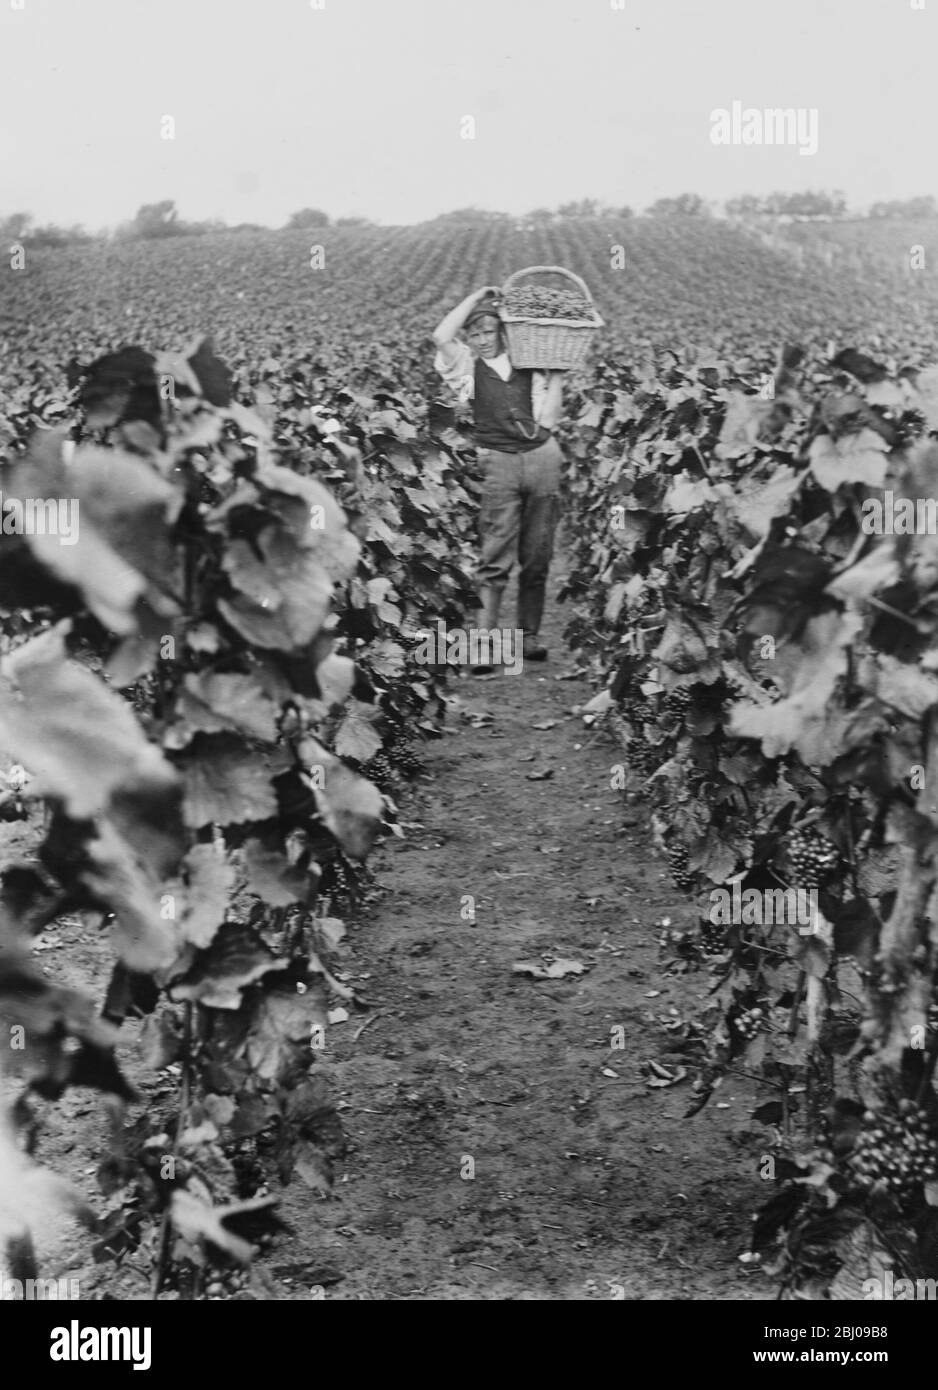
[498, 1148]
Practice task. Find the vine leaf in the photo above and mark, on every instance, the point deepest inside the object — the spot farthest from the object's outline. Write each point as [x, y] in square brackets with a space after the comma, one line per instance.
[855, 458]
[82, 742]
[877, 570]
[226, 784]
[351, 807]
[213, 376]
[805, 719]
[142, 939]
[316, 520]
[121, 386]
[378, 590]
[335, 676]
[757, 505]
[197, 1221]
[280, 1022]
[900, 685]
[859, 365]
[236, 958]
[863, 1259]
[356, 736]
[283, 598]
[682, 647]
[686, 494]
[387, 659]
[272, 878]
[210, 702]
[122, 513]
[745, 420]
[210, 882]
[787, 588]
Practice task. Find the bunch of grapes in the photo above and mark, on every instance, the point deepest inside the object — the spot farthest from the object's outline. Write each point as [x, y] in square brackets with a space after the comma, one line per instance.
[677, 864]
[748, 1022]
[142, 693]
[647, 756]
[712, 937]
[340, 886]
[540, 302]
[642, 712]
[630, 728]
[404, 758]
[678, 701]
[643, 758]
[812, 857]
[380, 770]
[896, 1152]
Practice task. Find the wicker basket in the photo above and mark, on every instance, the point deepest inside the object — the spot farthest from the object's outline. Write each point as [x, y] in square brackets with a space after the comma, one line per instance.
[549, 344]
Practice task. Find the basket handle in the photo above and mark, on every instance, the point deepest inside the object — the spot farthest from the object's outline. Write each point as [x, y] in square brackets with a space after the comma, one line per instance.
[556, 270]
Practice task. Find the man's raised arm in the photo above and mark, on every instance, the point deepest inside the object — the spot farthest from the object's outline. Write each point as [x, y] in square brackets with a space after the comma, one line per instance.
[447, 328]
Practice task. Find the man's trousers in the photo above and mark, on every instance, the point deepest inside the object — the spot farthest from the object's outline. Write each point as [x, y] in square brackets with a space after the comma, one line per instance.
[520, 508]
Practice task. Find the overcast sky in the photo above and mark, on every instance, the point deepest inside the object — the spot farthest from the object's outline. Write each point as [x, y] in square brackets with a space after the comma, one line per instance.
[356, 107]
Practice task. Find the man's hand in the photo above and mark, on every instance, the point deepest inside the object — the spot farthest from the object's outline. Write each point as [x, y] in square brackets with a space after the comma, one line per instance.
[551, 405]
[446, 331]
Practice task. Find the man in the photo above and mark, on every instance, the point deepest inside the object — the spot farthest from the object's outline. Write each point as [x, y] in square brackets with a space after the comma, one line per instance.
[514, 412]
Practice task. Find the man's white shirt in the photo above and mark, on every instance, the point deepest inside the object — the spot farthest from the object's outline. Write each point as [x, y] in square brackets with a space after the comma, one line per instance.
[459, 374]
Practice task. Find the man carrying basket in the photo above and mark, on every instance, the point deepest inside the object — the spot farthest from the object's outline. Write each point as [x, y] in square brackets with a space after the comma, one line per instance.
[514, 411]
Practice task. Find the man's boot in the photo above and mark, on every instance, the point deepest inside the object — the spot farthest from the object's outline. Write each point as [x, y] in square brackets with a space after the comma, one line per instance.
[530, 612]
[487, 618]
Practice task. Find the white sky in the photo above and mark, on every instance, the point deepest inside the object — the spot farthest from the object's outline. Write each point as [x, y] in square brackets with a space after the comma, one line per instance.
[356, 108]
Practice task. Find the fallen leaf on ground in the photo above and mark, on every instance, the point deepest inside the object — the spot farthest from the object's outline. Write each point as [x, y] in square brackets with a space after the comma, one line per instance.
[555, 971]
[661, 1076]
[599, 703]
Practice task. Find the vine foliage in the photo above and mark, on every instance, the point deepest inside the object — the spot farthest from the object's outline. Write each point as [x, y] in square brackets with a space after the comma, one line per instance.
[769, 647]
[193, 734]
